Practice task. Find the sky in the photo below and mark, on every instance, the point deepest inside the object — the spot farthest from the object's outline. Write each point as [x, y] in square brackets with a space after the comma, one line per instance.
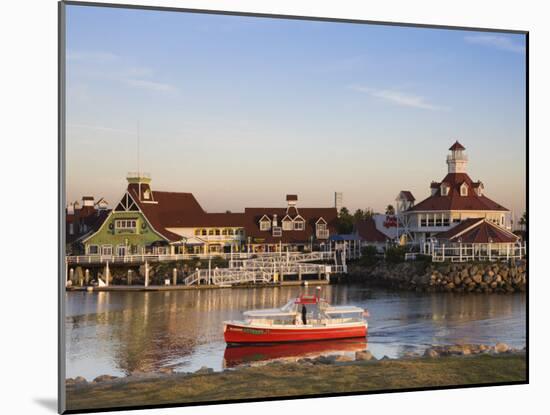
[241, 111]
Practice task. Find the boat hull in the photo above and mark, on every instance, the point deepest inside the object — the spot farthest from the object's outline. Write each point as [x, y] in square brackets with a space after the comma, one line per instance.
[235, 333]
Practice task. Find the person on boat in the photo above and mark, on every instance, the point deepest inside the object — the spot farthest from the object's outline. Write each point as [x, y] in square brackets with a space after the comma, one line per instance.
[304, 314]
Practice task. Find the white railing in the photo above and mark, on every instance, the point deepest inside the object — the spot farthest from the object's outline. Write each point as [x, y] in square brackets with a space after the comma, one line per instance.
[140, 258]
[476, 252]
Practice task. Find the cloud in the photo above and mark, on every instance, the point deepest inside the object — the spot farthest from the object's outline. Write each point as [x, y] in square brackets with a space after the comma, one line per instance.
[104, 65]
[496, 42]
[400, 98]
[150, 85]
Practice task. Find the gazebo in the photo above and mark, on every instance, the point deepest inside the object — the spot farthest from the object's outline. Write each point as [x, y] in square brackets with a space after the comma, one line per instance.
[475, 239]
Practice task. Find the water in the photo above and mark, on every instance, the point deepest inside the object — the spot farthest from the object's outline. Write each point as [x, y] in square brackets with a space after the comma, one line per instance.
[119, 333]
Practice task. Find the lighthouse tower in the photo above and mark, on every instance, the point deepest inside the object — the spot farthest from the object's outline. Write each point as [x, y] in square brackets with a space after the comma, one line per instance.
[457, 160]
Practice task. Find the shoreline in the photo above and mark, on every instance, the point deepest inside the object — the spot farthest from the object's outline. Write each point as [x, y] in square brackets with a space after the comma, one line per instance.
[440, 366]
[196, 287]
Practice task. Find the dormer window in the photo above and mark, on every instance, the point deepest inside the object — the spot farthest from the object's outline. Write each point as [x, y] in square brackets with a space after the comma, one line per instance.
[147, 194]
[463, 189]
[479, 189]
[265, 223]
[287, 223]
[299, 223]
[444, 190]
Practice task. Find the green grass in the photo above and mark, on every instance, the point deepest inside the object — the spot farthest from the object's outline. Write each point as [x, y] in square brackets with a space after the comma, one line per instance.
[299, 379]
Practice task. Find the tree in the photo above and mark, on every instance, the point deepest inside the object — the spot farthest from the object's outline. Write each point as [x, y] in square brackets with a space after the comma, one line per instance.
[345, 221]
[390, 210]
[358, 216]
[523, 220]
[368, 214]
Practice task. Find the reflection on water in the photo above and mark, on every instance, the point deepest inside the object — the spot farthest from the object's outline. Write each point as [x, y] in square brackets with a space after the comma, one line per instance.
[122, 332]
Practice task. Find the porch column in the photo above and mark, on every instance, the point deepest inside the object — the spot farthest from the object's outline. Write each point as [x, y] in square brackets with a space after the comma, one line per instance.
[146, 274]
[443, 251]
[129, 278]
[107, 273]
[175, 276]
[71, 275]
[507, 252]
[172, 249]
[87, 276]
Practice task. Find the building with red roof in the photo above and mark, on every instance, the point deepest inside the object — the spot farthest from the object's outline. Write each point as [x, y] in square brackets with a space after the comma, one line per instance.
[152, 221]
[453, 200]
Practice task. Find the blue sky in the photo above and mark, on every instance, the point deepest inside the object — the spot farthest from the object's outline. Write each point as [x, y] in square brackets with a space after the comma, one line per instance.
[242, 110]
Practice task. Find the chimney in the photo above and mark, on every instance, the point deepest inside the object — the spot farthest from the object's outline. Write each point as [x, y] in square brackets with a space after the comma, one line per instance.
[87, 201]
[275, 220]
[291, 200]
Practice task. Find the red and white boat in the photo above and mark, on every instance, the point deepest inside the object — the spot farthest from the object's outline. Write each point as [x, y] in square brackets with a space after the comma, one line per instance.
[306, 318]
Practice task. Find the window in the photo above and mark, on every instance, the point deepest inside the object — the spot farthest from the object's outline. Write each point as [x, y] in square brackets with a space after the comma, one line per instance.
[107, 250]
[230, 232]
[265, 224]
[146, 194]
[197, 232]
[502, 220]
[299, 225]
[217, 232]
[446, 221]
[224, 231]
[93, 250]
[438, 221]
[464, 189]
[444, 190]
[277, 231]
[287, 225]
[203, 232]
[321, 226]
[126, 224]
[431, 221]
[211, 232]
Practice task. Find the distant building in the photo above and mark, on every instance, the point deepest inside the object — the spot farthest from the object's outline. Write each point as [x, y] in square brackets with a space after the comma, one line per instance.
[338, 200]
[454, 199]
[82, 220]
[150, 221]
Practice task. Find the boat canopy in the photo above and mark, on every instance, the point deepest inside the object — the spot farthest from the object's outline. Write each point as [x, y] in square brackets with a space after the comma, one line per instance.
[343, 310]
[272, 312]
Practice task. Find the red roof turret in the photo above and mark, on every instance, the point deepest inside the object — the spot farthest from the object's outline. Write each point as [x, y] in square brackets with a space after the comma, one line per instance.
[457, 146]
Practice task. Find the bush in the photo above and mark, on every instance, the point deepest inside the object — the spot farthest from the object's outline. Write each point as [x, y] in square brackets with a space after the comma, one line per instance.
[368, 255]
[395, 254]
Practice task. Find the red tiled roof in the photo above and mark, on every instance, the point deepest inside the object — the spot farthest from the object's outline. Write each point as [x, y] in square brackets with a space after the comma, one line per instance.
[177, 210]
[478, 231]
[408, 195]
[457, 146]
[453, 201]
[368, 232]
[310, 215]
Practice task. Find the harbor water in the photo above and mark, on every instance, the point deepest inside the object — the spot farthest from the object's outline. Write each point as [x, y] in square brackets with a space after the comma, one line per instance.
[120, 333]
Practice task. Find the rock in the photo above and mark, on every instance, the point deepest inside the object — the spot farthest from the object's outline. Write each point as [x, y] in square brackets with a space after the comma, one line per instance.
[104, 378]
[457, 280]
[79, 380]
[467, 281]
[385, 358]
[365, 355]
[487, 278]
[483, 348]
[343, 358]
[494, 285]
[431, 353]
[477, 278]
[204, 371]
[491, 273]
[166, 370]
[501, 348]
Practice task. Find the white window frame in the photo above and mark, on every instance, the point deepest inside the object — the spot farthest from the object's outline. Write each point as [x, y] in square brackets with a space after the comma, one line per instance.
[463, 189]
[288, 225]
[299, 224]
[126, 224]
[108, 248]
[119, 246]
[265, 224]
[277, 231]
[444, 190]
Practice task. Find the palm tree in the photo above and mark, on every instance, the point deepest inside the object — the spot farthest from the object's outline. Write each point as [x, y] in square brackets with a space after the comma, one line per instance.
[390, 210]
[523, 220]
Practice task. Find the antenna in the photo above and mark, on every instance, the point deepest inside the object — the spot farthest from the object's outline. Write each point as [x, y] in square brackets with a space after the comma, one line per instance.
[138, 148]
